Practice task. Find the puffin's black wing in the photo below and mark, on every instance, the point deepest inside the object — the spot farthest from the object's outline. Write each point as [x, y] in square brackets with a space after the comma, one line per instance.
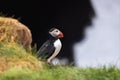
[46, 49]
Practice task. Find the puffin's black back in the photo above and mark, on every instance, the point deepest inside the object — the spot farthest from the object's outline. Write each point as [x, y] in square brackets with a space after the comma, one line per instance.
[47, 48]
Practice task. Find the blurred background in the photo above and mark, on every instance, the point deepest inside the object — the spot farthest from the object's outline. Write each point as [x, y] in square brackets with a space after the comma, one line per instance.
[91, 27]
[101, 46]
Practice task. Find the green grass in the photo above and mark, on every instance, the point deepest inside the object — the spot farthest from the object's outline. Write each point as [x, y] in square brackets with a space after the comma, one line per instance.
[21, 65]
[62, 73]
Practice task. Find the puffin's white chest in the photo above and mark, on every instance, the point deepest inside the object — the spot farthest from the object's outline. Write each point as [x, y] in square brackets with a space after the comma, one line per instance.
[57, 44]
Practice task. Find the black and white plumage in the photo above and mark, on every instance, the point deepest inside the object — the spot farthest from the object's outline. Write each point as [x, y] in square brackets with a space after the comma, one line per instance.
[52, 46]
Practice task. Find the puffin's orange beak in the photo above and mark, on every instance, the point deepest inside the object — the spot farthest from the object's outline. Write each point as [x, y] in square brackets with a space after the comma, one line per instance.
[61, 35]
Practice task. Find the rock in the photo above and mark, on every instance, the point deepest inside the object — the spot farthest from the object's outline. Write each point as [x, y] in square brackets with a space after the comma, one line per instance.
[12, 30]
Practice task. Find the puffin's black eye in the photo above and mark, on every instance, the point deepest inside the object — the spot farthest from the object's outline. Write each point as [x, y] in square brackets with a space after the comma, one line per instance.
[56, 31]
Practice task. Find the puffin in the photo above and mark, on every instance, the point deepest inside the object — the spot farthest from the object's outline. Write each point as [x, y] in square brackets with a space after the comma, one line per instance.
[51, 48]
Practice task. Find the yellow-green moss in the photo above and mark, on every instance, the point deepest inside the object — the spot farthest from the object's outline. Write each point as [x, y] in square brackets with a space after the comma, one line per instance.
[14, 55]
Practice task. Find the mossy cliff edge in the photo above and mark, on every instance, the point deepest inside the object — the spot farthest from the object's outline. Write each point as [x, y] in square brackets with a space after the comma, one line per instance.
[12, 30]
[15, 40]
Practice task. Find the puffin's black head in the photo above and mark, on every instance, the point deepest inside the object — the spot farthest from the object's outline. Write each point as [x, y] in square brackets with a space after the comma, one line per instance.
[56, 33]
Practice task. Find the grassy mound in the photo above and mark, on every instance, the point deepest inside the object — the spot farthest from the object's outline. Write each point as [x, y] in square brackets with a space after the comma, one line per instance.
[17, 64]
[13, 55]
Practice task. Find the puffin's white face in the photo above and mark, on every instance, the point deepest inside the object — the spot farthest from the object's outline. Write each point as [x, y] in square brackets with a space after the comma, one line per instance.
[56, 33]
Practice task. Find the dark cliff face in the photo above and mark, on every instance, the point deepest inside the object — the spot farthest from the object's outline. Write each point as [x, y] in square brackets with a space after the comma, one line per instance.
[70, 16]
[73, 17]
